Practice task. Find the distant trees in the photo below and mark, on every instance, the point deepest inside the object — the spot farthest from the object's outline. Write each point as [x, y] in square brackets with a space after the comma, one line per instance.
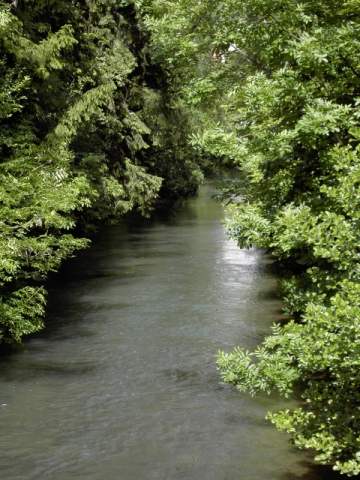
[88, 133]
[283, 109]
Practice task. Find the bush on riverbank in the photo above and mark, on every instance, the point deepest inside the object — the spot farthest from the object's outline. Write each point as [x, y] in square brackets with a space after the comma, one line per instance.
[276, 86]
[88, 133]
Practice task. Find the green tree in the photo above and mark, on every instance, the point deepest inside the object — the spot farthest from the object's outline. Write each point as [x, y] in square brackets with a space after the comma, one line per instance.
[78, 142]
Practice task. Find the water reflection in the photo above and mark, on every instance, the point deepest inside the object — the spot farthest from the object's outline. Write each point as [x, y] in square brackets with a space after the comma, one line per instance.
[123, 385]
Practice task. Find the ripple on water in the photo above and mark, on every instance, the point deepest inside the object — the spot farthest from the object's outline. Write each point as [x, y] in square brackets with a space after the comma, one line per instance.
[123, 384]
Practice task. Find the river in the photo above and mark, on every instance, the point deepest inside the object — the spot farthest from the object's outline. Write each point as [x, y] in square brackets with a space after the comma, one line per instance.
[122, 385]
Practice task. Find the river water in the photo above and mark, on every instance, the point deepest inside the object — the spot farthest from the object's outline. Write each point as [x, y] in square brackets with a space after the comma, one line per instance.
[122, 385]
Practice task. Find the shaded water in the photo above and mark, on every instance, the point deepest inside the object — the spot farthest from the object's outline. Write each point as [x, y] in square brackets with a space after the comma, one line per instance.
[123, 386]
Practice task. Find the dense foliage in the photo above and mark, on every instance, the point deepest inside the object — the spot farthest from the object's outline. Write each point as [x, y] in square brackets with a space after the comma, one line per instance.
[88, 133]
[275, 88]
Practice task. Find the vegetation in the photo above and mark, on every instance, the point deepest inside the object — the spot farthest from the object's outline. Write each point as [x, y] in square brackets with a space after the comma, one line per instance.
[274, 87]
[88, 133]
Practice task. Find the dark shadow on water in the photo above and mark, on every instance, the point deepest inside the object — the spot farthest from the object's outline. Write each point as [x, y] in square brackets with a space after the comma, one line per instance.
[39, 369]
[65, 335]
[7, 351]
[315, 472]
[268, 295]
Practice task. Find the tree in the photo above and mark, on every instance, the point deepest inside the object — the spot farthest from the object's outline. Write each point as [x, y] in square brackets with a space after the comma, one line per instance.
[78, 141]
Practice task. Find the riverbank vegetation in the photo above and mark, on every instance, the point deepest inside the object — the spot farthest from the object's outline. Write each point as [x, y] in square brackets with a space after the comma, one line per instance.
[88, 133]
[274, 87]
